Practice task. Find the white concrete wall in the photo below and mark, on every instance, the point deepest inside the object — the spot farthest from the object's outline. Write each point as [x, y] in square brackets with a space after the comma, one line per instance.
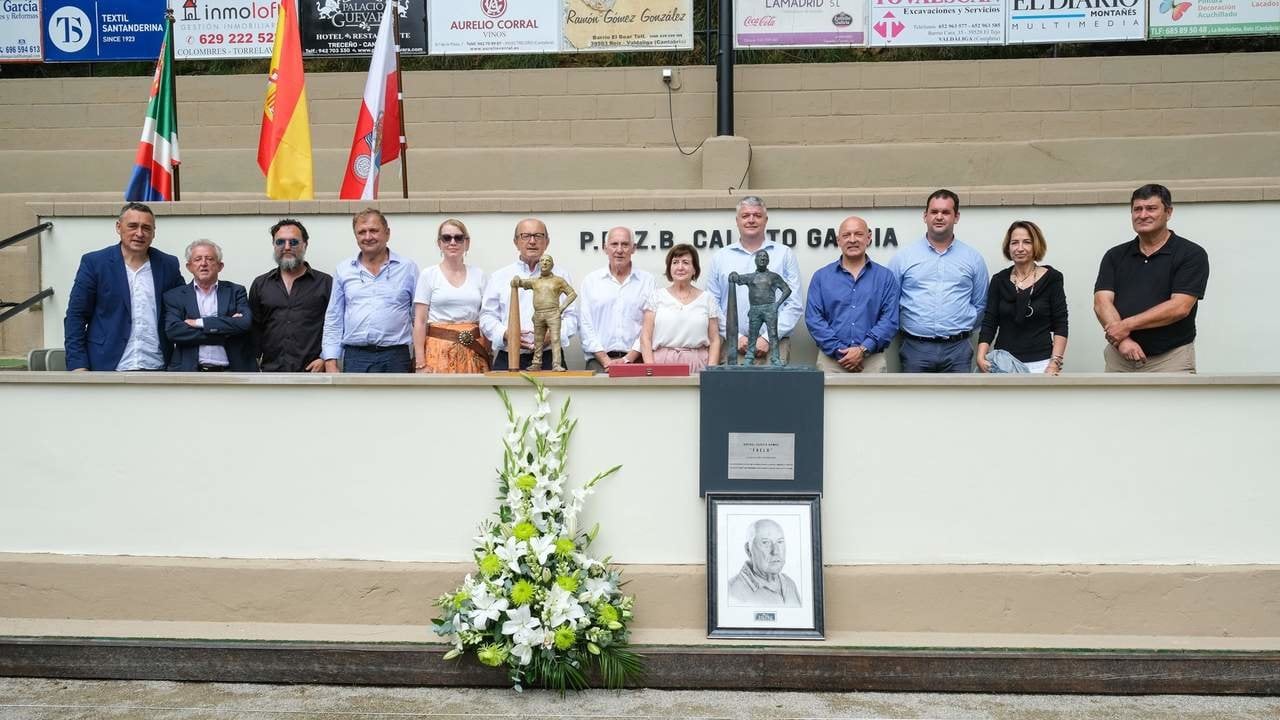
[1238, 328]
[918, 470]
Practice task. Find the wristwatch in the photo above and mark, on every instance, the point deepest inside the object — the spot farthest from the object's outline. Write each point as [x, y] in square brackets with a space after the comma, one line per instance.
[865, 350]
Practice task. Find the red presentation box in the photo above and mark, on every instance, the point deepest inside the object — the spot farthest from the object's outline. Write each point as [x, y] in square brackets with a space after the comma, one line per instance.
[649, 370]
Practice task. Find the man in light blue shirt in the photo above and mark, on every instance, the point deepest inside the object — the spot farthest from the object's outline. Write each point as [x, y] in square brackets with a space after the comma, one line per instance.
[739, 257]
[944, 290]
[369, 321]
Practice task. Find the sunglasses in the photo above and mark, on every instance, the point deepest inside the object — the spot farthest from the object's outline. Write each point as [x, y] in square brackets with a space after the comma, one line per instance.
[452, 239]
[293, 242]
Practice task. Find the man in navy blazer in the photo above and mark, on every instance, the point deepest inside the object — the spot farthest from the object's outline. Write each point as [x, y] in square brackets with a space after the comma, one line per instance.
[209, 320]
[113, 317]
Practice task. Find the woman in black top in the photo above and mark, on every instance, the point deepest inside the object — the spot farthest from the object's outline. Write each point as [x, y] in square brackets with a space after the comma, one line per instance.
[1026, 311]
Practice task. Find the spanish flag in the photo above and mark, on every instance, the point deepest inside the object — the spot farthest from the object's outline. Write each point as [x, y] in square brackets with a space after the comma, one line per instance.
[284, 147]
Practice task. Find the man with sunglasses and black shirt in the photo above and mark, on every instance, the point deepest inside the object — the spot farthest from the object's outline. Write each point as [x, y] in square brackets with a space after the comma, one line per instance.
[288, 305]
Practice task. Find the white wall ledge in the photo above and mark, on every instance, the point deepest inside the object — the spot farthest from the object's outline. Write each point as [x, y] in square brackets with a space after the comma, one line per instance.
[1068, 380]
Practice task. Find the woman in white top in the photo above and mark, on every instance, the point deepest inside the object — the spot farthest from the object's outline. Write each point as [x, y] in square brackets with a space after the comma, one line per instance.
[680, 321]
[446, 309]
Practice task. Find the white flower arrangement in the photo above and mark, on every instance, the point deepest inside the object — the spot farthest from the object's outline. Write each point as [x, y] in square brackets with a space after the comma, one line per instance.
[539, 604]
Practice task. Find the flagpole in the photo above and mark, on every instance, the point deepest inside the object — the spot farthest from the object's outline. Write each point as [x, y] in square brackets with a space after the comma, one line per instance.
[404, 145]
[168, 58]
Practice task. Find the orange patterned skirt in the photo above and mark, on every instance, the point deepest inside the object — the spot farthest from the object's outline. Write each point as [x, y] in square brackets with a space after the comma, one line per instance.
[456, 348]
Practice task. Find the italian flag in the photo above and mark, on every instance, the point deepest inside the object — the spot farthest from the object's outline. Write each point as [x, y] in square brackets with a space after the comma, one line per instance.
[157, 156]
[377, 137]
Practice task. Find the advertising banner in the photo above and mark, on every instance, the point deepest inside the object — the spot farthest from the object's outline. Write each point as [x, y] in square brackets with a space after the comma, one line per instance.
[495, 27]
[1050, 21]
[348, 28]
[937, 22]
[99, 30]
[799, 23]
[618, 25]
[19, 30]
[223, 29]
[1192, 18]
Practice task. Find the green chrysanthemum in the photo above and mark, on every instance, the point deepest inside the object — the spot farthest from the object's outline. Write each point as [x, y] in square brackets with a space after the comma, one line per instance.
[524, 530]
[492, 654]
[568, 582]
[521, 593]
[607, 614]
[565, 638]
[526, 482]
[490, 565]
[564, 547]
[459, 598]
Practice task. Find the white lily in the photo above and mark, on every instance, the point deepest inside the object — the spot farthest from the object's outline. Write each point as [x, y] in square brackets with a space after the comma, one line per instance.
[542, 546]
[523, 653]
[510, 553]
[487, 608]
[595, 589]
[562, 607]
[520, 620]
[544, 503]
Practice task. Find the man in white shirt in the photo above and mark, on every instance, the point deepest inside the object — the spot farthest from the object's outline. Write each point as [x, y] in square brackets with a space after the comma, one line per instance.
[739, 257]
[208, 320]
[613, 300]
[531, 240]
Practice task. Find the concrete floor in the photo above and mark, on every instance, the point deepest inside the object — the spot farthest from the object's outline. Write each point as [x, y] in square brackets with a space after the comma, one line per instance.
[39, 699]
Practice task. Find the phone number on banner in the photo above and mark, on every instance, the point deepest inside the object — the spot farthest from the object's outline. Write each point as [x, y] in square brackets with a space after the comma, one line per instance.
[224, 45]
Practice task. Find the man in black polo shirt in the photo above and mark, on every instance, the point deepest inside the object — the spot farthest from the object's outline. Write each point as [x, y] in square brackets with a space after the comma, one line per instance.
[1147, 290]
[288, 305]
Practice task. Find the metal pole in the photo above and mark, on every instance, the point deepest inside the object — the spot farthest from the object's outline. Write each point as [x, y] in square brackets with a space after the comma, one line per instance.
[724, 71]
[404, 144]
[172, 69]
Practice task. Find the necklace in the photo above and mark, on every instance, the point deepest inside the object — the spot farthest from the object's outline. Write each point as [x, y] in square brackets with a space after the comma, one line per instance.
[1024, 282]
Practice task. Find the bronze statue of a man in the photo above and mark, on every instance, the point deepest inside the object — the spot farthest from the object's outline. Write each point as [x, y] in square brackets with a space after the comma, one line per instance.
[761, 285]
[547, 289]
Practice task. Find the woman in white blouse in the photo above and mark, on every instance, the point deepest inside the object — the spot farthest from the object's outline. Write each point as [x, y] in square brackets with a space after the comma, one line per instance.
[446, 309]
[680, 321]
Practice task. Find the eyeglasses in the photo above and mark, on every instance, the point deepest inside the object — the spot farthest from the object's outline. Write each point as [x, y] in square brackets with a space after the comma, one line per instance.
[452, 239]
[532, 236]
[293, 242]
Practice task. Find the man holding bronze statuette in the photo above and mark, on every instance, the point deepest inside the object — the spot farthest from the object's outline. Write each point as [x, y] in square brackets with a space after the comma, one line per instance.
[740, 257]
[531, 240]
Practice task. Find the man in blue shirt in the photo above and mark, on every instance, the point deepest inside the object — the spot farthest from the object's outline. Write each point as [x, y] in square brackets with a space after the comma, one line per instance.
[852, 310]
[740, 257]
[944, 290]
[369, 321]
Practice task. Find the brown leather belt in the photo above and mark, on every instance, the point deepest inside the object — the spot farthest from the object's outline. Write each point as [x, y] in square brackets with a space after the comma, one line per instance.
[469, 339]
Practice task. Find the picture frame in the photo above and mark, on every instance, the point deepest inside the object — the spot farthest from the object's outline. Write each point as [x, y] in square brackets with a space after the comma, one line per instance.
[764, 566]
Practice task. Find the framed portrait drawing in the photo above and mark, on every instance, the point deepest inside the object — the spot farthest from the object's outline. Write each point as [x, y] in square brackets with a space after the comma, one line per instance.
[764, 566]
